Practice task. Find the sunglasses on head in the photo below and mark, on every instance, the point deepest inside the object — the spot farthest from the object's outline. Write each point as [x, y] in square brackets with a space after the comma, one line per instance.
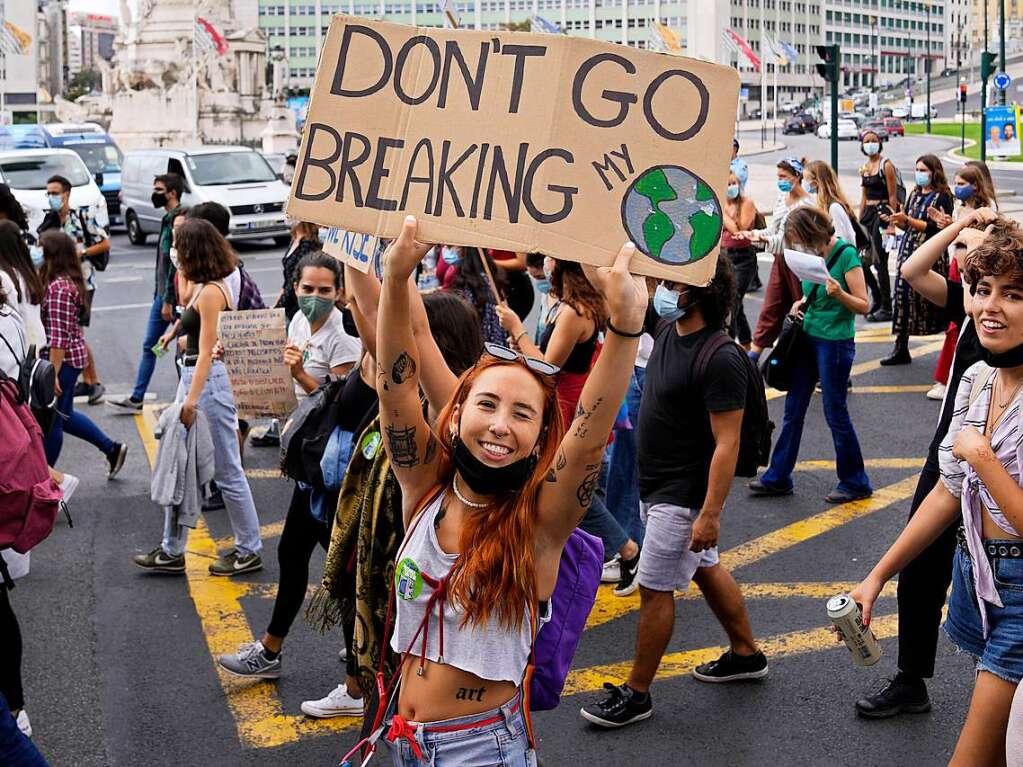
[510, 355]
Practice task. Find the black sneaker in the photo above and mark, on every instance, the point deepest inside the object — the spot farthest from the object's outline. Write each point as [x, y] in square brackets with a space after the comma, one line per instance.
[620, 708]
[82, 389]
[115, 458]
[627, 579]
[158, 561]
[732, 668]
[759, 490]
[900, 695]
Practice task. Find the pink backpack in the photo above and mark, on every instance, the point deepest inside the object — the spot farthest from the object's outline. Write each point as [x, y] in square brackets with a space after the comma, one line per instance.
[29, 498]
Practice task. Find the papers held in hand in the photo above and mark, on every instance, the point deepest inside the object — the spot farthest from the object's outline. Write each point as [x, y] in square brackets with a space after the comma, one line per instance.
[807, 266]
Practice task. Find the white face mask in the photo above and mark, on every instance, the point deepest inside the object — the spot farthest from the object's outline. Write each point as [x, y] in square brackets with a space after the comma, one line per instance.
[173, 253]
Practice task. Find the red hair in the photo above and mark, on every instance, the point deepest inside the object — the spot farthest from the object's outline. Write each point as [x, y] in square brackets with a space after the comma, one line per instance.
[500, 575]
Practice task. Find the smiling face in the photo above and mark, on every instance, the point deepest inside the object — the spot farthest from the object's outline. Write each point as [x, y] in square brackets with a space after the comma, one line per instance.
[998, 310]
[502, 416]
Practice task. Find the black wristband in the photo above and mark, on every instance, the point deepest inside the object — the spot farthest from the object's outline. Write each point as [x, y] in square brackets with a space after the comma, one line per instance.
[622, 333]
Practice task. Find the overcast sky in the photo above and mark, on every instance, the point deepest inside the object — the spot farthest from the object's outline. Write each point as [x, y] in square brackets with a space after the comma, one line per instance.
[108, 7]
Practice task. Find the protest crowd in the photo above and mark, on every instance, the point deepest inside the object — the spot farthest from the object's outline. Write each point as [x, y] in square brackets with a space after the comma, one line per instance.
[478, 438]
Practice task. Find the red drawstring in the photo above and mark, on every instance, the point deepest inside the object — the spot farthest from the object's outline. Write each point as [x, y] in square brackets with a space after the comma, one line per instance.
[400, 729]
[438, 596]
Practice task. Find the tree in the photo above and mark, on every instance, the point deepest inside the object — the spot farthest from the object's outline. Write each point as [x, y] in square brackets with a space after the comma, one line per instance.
[84, 82]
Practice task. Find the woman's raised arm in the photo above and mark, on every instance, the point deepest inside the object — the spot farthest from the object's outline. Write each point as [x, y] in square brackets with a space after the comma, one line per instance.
[568, 491]
[410, 444]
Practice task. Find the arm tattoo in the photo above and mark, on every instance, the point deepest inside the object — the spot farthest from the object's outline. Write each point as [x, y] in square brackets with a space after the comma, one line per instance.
[401, 443]
[583, 416]
[552, 476]
[403, 368]
[584, 493]
[431, 450]
[552, 473]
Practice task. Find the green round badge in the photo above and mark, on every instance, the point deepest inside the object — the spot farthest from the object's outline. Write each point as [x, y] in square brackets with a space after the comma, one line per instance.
[408, 581]
[370, 445]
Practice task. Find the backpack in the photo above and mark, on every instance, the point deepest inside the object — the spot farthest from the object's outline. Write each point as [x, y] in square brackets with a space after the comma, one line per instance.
[575, 591]
[37, 383]
[757, 427]
[249, 296]
[305, 434]
[900, 188]
[29, 498]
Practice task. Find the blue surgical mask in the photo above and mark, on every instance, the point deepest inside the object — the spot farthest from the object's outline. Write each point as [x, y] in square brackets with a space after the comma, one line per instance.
[542, 286]
[36, 252]
[56, 201]
[809, 187]
[451, 256]
[871, 148]
[666, 304]
[964, 192]
[785, 186]
[733, 191]
[923, 178]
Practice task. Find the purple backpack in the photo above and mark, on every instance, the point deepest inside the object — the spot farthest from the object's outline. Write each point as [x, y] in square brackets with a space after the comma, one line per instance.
[574, 594]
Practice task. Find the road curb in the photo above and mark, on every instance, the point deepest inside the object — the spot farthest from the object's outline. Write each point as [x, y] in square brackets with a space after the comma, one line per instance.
[952, 155]
[776, 147]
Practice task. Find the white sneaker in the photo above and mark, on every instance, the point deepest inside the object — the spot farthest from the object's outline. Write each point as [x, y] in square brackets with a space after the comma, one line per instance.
[23, 724]
[936, 392]
[337, 703]
[68, 486]
[612, 570]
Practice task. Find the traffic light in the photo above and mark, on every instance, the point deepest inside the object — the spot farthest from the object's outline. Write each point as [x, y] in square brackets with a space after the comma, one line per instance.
[829, 68]
[962, 93]
[987, 65]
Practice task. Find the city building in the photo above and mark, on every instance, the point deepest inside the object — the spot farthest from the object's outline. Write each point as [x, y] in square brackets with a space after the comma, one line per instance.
[51, 49]
[90, 38]
[18, 73]
[989, 9]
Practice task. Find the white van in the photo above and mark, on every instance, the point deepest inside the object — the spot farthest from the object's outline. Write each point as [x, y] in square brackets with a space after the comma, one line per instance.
[237, 177]
[26, 171]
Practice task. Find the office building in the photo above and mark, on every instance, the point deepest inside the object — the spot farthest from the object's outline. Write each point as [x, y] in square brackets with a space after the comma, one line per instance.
[90, 38]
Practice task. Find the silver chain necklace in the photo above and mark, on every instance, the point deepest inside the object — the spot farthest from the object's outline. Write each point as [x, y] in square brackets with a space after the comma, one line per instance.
[462, 498]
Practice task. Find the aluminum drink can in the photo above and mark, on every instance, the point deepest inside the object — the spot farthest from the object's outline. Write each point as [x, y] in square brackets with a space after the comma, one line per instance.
[846, 615]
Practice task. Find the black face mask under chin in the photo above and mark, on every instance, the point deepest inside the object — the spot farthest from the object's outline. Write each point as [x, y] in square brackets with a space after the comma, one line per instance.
[1010, 359]
[491, 480]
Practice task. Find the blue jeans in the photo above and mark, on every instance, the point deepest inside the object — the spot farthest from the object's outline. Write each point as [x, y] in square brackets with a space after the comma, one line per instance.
[830, 361]
[16, 750]
[155, 327]
[217, 404]
[623, 480]
[71, 421]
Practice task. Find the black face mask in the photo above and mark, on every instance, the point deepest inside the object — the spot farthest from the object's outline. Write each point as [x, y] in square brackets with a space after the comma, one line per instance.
[491, 480]
[159, 199]
[1010, 359]
[348, 323]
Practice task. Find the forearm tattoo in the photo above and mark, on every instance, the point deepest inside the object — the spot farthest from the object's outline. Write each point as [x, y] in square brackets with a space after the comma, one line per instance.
[401, 444]
[582, 418]
[584, 493]
[552, 474]
[403, 368]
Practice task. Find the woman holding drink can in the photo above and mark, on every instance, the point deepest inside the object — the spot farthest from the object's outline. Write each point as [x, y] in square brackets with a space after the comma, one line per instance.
[980, 483]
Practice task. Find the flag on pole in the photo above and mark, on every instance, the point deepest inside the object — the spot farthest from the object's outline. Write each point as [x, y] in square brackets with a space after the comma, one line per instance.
[13, 40]
[541, 25]
[789, 50]
[208, 39]
[663, 39]
[450, 10]
[769, 47]
[738, 43]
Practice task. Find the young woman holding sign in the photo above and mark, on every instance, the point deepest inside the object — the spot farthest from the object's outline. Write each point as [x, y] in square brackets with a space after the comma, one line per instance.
[496, 481]
[208, 264]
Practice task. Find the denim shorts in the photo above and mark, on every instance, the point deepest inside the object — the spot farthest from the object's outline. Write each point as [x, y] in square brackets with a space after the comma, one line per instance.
[667, 563]
[1002, 652]
[499, 743]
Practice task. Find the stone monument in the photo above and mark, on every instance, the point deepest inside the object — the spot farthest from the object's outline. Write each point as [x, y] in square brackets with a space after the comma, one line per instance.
[168, 90]
[280, 134]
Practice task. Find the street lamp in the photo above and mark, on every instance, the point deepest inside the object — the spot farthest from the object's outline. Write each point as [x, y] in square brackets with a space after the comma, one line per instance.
[927, 65]
[875, 56]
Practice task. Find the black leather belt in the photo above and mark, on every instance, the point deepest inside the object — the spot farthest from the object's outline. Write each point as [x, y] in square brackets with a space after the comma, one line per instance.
[189, 360]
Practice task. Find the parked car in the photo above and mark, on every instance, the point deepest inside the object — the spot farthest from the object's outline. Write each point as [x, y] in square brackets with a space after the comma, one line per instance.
[237, 177]
[800, 123]
[919, 111]
[875, 126]
[894, 126]
[884, 112]
[900, 113]
[26, 171]
[846, 130]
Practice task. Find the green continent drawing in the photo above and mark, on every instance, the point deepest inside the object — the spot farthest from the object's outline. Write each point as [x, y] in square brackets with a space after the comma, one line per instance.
[672, 215]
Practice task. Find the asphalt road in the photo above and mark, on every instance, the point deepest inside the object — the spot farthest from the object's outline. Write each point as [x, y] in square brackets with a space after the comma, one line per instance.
[118, 665]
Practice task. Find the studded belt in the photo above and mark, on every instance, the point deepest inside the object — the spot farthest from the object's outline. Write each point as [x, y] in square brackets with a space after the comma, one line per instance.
[994, 548]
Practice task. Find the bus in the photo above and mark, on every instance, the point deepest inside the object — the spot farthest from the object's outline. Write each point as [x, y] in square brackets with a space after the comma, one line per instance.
[89, 141]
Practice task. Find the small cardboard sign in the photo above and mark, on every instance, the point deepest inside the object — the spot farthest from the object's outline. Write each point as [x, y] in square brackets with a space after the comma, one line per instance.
[352, 248]
[523, 142]
[254, 344]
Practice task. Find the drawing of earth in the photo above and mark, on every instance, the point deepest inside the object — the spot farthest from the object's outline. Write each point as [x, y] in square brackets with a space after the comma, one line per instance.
[672, 215]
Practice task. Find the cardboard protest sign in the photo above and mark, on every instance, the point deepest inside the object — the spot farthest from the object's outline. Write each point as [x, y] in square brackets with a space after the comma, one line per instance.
[523, 142]
[351, 248]
[253, 344]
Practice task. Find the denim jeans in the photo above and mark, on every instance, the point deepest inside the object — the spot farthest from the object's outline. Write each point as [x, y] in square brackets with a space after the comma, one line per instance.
[155, 327]
[623, 479]
[16, 750]
[217, 404]
[71, 421]
[830, 361]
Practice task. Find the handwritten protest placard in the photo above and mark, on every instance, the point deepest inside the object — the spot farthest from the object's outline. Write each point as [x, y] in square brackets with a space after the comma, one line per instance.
[352, 248]
[523, 142]
[253, 344]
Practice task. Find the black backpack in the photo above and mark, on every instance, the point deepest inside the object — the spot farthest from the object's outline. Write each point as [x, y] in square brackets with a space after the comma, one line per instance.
[757, 427]
[305, 434]
[37, 383]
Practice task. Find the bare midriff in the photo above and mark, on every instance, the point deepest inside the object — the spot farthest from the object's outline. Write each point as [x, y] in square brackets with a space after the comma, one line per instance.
[991, 530]
[445, 692]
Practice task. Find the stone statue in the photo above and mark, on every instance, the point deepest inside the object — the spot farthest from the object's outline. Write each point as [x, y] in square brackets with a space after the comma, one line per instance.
[280, 75]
